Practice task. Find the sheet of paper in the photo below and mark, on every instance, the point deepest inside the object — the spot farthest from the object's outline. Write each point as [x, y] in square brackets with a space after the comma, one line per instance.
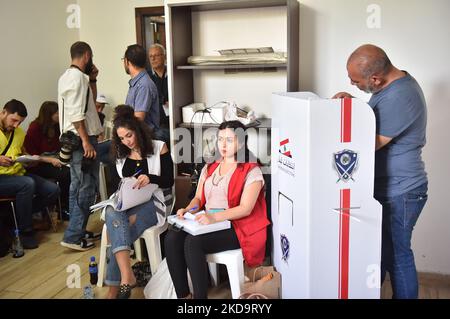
[194, 228]
[133, 196]
[110, 202]
[190, 216]
[166, 109]
[127, 197]
[27, 158]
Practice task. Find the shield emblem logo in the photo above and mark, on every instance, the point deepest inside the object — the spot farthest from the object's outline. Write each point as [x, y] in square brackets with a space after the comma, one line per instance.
[345, 163]
[284, 241]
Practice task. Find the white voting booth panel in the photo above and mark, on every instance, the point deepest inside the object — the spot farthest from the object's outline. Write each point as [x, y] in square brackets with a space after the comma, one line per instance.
[326, 223]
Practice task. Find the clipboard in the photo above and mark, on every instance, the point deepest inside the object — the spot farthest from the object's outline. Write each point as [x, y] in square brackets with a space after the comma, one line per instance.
[194, 228]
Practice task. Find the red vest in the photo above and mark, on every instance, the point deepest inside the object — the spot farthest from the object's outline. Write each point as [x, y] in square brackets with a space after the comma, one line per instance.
[250, 230]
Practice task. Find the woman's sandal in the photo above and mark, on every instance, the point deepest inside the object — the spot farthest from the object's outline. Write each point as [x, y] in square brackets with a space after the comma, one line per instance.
[125, 291]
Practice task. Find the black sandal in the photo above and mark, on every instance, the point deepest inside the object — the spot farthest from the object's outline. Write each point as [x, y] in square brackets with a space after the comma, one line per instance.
[125, 291]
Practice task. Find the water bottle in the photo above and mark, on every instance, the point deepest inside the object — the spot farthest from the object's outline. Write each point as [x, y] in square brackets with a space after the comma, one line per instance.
[88, 292]
[93, 271]
[17, 247]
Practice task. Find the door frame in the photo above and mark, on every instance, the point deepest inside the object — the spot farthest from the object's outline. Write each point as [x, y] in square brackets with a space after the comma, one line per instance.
[140, 14]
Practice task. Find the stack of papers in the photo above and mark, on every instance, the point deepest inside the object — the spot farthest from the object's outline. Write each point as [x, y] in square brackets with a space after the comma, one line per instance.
[189, 225]
[255, 58]
[192, 216]
[126, 196]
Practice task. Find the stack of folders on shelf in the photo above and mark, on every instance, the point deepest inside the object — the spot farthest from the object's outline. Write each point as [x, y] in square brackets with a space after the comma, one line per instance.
[191, 226]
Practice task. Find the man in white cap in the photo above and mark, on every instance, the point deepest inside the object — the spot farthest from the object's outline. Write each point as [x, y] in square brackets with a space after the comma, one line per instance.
[104, 146]
[100, 105]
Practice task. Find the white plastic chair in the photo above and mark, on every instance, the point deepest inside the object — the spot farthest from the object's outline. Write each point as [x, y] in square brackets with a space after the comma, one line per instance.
[151, 237]
[152, 242]
[108, 129]
[102, 259]
[102, 189]
[234, 261]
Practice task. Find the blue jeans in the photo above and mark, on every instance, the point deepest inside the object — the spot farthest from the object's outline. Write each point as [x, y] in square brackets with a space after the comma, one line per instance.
[400, 214]
[82, 194]
[103, 152]
[121, 234]
[24, 188]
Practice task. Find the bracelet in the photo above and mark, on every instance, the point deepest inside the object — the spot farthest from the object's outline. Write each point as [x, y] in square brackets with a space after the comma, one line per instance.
[92, 81]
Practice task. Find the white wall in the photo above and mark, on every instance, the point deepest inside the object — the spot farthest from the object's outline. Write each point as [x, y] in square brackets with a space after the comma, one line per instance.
[110, 27]
[35, 42]
[414, 34]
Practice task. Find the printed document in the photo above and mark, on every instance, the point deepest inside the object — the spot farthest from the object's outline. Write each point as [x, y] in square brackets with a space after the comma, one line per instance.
[126, 197]
[191, 226]
[28, 158]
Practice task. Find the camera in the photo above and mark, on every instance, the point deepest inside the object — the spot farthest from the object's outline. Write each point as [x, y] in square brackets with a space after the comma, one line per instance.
[69, 143]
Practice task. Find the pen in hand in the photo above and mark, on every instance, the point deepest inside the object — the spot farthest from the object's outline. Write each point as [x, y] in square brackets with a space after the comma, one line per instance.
[137, 173]
[189, 211]
[193, 208]
[138, 183]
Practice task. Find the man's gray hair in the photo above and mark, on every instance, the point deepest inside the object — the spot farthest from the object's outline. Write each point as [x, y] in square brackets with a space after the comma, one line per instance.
[159, 46]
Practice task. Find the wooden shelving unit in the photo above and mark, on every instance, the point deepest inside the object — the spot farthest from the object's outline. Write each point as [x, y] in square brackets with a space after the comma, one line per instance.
[181, 76]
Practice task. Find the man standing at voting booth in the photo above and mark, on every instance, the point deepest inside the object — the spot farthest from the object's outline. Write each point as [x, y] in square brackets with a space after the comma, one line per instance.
[400, 178]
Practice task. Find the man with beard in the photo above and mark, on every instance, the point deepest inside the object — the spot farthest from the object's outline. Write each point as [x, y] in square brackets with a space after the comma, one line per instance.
[77, 91]
[32, 192]
[400, 178]
[142, 93]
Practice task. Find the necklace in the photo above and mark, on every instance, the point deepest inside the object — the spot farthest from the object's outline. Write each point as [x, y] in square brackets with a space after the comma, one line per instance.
[138, 161]
[214, 182]
[220, 178]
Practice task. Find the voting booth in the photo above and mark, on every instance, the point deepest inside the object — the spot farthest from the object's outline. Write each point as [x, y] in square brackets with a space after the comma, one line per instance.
[326, 223]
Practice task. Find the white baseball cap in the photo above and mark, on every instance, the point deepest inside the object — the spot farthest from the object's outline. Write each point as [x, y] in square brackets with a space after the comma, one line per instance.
[101, 98]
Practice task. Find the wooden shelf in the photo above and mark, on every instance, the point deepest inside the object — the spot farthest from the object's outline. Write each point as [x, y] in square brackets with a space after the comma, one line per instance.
[263, 123]
[231, 4]
[233, 66]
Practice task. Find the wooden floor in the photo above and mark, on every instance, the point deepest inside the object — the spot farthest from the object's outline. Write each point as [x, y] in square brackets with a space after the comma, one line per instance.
[42, 273]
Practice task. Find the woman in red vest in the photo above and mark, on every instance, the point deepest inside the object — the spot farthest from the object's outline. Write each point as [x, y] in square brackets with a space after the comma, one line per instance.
[228, 189]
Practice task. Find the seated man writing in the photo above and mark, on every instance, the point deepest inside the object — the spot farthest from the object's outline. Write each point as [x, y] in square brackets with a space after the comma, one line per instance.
[32, 193]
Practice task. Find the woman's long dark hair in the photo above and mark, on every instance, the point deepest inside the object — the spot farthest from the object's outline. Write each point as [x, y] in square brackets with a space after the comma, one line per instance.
[240, 131]
[50, 129]
[124, 117]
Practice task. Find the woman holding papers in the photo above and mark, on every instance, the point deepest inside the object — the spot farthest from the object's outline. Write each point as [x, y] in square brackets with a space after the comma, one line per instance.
[139, 156]
[229, 189]
[43, 138]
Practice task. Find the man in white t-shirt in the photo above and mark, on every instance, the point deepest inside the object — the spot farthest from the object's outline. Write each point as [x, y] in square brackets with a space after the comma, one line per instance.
[77, 90]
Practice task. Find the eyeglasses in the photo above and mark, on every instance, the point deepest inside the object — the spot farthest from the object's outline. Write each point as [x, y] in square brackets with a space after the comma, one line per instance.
[153, 56]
